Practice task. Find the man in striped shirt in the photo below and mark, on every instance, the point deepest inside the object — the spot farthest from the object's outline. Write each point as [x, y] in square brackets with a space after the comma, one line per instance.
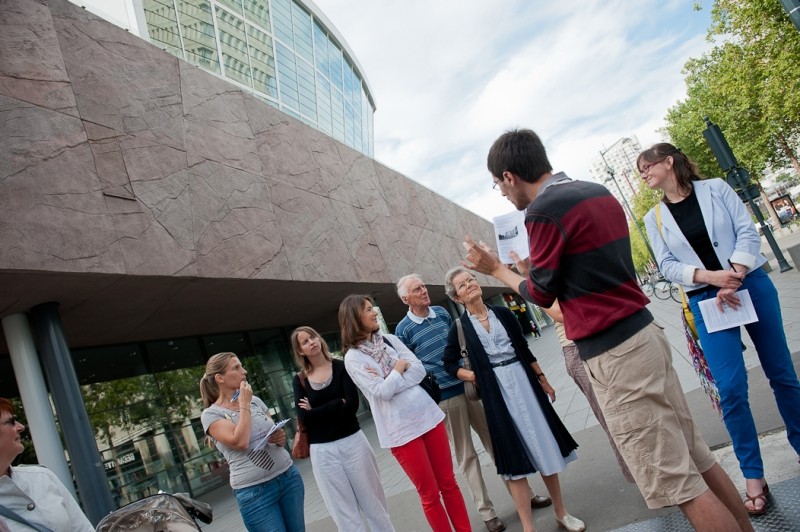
[580, 254]
[424, 330]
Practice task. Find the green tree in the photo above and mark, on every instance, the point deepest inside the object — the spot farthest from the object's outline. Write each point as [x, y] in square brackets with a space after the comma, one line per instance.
[747, 84]
[644, 200]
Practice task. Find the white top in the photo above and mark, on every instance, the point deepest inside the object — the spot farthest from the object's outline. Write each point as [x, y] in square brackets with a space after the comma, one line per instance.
[401, 409]
[35, 493]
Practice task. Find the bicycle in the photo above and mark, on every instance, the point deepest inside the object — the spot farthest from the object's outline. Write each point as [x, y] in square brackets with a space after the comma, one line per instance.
[662, 289]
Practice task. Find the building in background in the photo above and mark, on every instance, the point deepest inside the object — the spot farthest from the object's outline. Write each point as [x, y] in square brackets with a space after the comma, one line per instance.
[621, 158]
[285, 52]
[173, 213]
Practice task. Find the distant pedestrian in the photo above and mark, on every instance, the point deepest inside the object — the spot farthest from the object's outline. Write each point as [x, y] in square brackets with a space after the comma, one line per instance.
[407, 420]
[342, 460]
[705, 240]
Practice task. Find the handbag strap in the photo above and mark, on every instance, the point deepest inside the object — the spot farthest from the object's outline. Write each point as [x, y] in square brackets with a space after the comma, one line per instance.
[302, 376]
[462, 343]
[684, 302]
[11, 514]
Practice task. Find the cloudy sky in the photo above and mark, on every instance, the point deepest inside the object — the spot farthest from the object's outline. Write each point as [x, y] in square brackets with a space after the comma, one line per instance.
[449, 76]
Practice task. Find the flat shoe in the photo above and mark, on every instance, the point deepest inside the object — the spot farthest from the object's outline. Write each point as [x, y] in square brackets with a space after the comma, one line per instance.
[539, 501]
[573, 524]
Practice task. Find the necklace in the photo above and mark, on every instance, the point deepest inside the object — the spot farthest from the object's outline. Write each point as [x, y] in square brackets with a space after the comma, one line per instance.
[485, 316]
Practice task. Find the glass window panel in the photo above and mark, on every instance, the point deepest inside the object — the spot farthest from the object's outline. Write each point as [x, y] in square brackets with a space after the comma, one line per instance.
[166, 355]
[162, 25]
[324, 105]
[321, 50]
[290, 112]
[301, 25]
[348, 124]
[262, 61]
[91, 365]
[307, 89]
[282, 18]
[335, 68]
[288, 76]
[337, 114]
[234, 47]
[198, 35]
[257, 11]
[233, 5]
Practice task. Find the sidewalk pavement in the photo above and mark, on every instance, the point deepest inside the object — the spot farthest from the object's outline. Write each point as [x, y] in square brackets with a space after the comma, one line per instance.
[593, 488]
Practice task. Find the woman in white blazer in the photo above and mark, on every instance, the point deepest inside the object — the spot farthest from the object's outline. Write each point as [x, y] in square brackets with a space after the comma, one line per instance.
[707, 242]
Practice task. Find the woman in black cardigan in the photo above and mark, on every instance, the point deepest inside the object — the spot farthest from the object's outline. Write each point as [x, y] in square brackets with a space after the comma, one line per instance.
[525, 430]
[341, 457]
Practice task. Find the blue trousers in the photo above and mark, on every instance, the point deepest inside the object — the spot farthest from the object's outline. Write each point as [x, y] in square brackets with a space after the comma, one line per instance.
[723, 352]
[275, 505]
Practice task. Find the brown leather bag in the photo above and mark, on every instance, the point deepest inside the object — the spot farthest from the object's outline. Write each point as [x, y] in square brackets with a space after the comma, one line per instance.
[300, 447]
[471, 389]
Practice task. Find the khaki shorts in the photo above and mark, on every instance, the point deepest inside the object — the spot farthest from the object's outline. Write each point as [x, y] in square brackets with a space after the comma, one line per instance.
[647, 415]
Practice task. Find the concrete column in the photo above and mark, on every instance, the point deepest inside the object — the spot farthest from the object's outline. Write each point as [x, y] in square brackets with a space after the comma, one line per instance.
[63, 383]
[33, 392]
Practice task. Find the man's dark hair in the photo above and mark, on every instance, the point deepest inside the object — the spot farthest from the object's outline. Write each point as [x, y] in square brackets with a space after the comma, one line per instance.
[521, 152]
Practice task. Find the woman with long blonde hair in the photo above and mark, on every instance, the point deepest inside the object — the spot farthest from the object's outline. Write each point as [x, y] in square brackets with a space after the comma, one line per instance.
[267, 486]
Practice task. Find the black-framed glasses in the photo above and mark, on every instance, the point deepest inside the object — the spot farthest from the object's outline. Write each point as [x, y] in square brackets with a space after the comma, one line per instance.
[647, 166]
[495, 184]
[11, 422]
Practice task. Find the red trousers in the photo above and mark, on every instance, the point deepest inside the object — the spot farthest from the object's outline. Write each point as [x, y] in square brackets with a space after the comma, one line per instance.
[426, 460]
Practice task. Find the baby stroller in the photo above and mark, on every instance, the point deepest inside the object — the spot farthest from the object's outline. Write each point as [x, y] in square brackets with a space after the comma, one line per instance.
[158, 513]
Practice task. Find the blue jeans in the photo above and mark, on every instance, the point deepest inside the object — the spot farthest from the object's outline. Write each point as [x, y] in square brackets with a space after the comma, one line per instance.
[275, 505]
[723, 352]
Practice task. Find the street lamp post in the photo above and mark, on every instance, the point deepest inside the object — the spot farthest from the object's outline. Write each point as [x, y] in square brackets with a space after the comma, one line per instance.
[739, 178]
[625, 204]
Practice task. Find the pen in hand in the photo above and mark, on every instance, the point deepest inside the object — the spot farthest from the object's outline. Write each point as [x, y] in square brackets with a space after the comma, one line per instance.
[732, 266]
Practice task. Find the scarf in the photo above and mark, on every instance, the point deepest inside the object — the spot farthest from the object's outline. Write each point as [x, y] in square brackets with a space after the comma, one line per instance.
[379, 352]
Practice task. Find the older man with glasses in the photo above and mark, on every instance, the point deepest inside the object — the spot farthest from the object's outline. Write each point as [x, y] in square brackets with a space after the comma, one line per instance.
[424, 330]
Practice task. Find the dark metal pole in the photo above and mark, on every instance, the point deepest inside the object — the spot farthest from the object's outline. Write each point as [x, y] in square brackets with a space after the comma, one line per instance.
[793, 8]
[78, 435]
[739, 178]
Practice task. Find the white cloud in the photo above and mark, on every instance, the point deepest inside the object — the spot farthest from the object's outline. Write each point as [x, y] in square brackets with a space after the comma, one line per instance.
[450, 76]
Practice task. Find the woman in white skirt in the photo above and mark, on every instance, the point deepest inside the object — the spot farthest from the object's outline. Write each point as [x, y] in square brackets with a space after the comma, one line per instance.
[526, 433]
[342, 460]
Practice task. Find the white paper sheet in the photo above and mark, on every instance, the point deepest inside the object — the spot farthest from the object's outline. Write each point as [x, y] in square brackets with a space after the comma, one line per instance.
[279, 425]
[719, 321]
[510, 235]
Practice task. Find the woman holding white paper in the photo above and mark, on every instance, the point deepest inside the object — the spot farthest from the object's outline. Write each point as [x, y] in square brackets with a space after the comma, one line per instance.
[704, 239]
[267, 486]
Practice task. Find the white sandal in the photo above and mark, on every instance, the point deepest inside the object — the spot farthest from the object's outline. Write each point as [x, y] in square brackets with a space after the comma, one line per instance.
[573, 524]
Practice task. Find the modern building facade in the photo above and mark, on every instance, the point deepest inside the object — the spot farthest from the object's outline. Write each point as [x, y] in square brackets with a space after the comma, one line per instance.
[620, 158]
[285, 52]
[171, 215]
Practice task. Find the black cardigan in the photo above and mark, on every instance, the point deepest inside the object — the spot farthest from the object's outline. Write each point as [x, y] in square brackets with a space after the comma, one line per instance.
[330, 418]
[510, 456]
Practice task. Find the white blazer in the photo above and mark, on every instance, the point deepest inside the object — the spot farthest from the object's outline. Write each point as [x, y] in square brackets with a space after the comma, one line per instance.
[730, 228]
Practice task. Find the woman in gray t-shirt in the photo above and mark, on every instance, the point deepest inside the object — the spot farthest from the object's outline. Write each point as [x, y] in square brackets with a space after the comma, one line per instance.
[268, 488]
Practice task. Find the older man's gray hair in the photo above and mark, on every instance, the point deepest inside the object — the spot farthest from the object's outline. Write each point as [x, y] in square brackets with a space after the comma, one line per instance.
[449, 287]
[402, 291]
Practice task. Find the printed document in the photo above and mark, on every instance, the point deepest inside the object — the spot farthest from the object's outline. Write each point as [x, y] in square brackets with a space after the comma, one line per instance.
[732, 317]
[510, 235]
[279, 425]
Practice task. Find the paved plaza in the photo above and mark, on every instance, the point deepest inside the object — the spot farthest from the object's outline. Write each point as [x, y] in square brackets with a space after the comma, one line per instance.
[593, 487]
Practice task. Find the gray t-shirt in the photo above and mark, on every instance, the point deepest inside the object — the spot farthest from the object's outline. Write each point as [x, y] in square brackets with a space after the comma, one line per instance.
[252, 466]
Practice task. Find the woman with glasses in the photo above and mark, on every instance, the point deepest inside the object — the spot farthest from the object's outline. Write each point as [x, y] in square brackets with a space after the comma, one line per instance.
[704, 239]
[267, 486]
[341, 457]
[525, 430]
[29, 494]
[407, 420]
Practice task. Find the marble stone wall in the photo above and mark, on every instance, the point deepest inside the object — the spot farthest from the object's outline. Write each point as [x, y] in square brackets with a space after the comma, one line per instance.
[117, 158]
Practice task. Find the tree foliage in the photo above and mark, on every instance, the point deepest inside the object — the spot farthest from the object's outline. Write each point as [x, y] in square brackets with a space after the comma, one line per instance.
[747, 84]
[644, 200]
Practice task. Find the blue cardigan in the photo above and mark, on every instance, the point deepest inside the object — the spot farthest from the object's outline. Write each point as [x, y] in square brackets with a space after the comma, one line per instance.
[510, 456]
